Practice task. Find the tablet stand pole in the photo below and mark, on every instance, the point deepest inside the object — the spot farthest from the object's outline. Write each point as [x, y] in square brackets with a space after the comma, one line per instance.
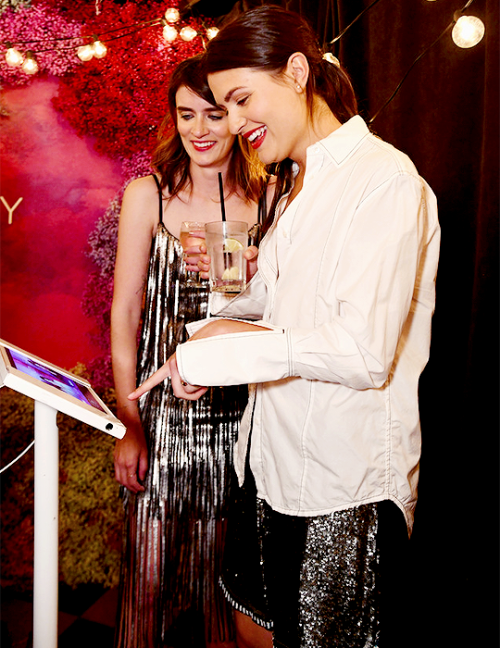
[46, 565]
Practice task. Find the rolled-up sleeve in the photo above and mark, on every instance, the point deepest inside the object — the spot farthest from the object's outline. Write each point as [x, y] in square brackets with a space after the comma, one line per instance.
[236, 359]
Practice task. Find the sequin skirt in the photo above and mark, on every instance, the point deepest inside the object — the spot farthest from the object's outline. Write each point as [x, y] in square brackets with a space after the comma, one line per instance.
[313, 581]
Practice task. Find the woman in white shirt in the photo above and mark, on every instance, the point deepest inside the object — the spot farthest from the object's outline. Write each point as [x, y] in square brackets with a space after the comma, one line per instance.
[343, 298]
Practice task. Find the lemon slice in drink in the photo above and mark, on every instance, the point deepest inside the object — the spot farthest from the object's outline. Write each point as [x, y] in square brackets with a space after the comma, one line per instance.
[230, 274]
[232, 245]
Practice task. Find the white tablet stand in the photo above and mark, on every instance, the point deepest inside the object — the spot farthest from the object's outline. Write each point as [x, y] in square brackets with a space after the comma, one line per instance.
[49, 399]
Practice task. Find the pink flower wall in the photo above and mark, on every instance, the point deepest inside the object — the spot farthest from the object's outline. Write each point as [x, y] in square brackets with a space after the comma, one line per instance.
[66, 187]
[71, 138]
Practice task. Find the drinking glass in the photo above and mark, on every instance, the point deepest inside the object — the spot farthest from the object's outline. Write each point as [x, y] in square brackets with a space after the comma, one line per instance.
[192, 234]
[226, 242]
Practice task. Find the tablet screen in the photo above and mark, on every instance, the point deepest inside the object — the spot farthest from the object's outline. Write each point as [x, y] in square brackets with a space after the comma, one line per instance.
[51, 377]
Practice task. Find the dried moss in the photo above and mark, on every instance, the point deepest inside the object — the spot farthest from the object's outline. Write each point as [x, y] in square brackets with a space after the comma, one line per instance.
[90, 511]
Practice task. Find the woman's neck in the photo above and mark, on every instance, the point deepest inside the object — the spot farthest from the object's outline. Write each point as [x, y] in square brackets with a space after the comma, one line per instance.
[322, 124]
[205, 180]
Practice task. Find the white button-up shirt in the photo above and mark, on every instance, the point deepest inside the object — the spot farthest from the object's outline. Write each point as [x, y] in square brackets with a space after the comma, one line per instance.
[346, 285]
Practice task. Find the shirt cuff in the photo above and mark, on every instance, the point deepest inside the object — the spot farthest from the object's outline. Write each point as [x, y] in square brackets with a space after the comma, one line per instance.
[235, 359]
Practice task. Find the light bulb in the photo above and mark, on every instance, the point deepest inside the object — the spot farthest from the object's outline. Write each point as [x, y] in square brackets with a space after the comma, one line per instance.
[188, 33]
[30, 66]
[468, 31]
[328, 56]
[172, 15]
[13, 57]
[99, 49]
[169, 33]
[212, 32]
[85, 52]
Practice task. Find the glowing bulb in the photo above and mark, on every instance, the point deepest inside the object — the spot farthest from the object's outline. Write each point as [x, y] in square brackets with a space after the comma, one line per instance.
[99, 49]
[172, 15]
[85, 52]
[328, 56]
[169, 33]
[188, 33]
[468, 31]
[212, 32]
[13, 57]
[30, 66]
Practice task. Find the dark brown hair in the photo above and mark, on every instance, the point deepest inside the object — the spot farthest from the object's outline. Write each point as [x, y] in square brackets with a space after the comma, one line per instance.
[170, 159]
[265, 38]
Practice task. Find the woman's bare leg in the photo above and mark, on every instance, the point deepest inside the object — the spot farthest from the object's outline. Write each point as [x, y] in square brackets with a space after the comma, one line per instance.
[249, 634]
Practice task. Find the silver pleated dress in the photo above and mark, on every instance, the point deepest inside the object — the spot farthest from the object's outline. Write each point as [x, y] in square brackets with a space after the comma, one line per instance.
[174, 531]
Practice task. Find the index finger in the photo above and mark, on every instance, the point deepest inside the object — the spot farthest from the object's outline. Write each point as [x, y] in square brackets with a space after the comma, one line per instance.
[158, 377]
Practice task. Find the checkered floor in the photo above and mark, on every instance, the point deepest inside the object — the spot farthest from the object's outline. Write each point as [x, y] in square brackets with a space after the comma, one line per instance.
[86, 617]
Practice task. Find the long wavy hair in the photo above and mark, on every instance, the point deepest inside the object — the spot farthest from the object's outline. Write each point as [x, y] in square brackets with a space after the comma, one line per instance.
[246, 174]
[265, 38]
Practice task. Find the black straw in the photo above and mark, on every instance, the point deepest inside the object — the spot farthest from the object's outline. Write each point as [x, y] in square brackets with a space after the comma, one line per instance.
[221, 192]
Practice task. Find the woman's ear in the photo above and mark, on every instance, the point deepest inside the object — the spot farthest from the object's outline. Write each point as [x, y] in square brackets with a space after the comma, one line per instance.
[297, 68]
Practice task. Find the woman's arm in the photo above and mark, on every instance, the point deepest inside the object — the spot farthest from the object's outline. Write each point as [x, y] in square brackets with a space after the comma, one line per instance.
[170, 369]
[138, 219]
[382, 292]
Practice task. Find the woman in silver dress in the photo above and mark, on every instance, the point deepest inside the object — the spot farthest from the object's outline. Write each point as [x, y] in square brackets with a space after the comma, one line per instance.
[174, 458]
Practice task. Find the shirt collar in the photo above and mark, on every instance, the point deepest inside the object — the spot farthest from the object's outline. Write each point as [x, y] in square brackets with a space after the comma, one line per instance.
[338, 146]
[342, 142]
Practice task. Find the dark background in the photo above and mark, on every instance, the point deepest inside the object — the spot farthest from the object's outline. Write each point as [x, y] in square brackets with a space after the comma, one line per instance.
[445, 117]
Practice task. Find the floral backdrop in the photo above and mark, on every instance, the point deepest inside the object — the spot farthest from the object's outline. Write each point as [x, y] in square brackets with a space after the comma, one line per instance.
[112, 107]
[72, 136]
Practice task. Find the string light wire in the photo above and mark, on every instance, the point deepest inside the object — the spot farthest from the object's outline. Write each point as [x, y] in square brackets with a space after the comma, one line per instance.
[398, 87]
[337, 38]
[82, 40]
[105, 38]
[18, 457]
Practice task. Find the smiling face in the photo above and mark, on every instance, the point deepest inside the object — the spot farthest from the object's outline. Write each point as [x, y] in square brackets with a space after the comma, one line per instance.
[270, 112]
[203, 129]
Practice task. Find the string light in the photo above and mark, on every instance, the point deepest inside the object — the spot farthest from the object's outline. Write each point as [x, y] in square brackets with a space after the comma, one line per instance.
[188, 33]
[169, 33]
[172, 15]
[212, 32]
[473, 31]
[99, 49]
[13, 57]
[328, 56]
[30, 66]
[85, 52]
[467, 31]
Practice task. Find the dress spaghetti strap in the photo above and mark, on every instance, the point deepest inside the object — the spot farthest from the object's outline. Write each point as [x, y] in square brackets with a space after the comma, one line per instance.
[160, 197]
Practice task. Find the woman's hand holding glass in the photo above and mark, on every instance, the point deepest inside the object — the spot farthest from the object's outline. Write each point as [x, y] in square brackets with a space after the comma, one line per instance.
[250, 254]
[192, 236]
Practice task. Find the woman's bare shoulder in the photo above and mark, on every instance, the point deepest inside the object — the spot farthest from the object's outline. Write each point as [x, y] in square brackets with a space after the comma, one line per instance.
[140, 205]
[142, 188]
